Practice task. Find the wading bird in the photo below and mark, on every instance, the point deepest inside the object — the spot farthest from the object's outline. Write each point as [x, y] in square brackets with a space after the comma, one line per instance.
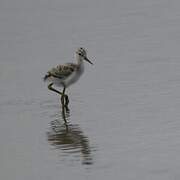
[67, 74]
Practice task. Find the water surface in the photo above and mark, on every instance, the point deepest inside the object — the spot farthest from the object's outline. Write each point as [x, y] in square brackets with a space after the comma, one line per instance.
[123, 118]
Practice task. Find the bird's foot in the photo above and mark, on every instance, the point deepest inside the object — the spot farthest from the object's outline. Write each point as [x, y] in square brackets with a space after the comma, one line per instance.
[62, 100]
[65, 100]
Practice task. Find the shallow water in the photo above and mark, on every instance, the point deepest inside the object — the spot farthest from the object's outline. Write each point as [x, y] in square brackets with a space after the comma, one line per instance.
[123, 118]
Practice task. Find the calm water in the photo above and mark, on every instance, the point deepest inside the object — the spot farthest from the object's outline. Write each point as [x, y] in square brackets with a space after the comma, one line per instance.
[124, 114]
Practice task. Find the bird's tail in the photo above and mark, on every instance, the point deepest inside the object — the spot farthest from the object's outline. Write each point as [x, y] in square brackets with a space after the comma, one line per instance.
[46, 77]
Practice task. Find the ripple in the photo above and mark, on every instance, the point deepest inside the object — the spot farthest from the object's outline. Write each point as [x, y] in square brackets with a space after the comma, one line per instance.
[69, 138]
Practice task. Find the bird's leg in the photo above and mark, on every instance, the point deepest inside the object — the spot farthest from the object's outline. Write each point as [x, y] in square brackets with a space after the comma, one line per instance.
[67, 100]
[62, 100]
[52, 89]
[64, 97]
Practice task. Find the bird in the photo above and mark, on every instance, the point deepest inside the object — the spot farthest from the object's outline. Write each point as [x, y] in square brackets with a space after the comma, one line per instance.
[67, 74]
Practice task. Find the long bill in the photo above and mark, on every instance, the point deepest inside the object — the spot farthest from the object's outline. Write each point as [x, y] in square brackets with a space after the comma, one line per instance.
[85, 58]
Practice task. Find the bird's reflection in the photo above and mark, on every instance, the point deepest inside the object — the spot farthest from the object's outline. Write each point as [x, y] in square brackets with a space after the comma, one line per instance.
[69, 138]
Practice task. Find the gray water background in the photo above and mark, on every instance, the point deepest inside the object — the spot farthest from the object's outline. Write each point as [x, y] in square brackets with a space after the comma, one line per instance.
[124, 119]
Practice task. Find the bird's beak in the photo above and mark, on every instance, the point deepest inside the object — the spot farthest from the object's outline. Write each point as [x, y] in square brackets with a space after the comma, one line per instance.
[85, 58]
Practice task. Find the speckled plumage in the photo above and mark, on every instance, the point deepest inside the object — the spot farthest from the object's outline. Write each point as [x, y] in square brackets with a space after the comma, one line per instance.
[69, 73]
[62, 71]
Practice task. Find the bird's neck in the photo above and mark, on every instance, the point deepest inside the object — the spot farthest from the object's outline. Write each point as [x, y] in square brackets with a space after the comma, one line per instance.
[79, 60]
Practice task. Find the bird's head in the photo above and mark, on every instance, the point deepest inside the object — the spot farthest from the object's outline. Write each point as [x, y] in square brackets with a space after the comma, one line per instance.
[82, 55]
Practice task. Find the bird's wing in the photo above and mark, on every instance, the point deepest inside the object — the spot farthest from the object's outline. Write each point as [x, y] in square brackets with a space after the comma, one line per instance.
[62, 71]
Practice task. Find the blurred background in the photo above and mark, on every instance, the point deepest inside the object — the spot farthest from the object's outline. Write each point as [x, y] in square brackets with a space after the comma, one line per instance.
[123, 118]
